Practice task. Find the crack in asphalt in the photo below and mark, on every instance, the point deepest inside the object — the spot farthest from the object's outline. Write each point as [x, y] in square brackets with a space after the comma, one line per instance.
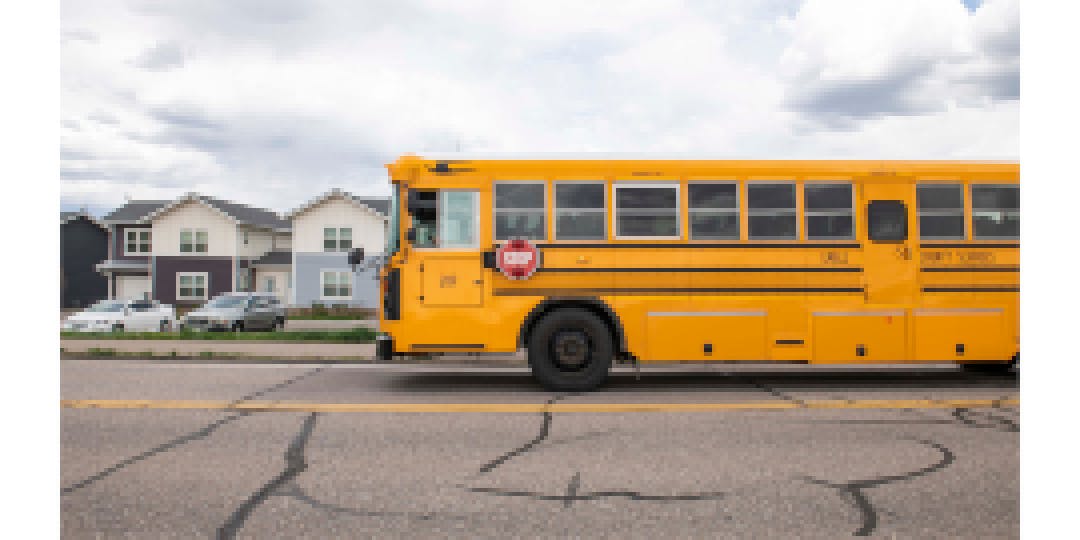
[200, 433]
[776, 393]
[573, 492]
[294, 465]
[545, 429]
[854, 490]
[973, 418]
[294, 491]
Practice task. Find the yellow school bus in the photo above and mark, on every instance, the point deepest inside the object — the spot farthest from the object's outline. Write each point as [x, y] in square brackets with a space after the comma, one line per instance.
[824, 262]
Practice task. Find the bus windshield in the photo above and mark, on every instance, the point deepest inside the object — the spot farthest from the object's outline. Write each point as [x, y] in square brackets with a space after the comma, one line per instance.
[395, 224]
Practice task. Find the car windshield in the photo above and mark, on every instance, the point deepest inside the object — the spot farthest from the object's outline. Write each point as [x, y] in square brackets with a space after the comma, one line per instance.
[106, 307]
[227, 302]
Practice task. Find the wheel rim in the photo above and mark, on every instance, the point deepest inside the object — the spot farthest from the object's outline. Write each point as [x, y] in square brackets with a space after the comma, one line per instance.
[571, 350]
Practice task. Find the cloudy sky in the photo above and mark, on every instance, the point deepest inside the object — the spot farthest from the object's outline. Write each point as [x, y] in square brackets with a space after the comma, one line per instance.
[271, 102]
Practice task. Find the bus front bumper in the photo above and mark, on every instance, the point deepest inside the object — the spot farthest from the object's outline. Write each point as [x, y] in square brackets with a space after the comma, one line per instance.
[384, 347]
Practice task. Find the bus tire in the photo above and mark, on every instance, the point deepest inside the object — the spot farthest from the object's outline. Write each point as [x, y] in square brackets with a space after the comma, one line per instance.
[570, 350]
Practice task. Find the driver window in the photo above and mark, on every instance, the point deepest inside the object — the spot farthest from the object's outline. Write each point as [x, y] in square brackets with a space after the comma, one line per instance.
[451, 222]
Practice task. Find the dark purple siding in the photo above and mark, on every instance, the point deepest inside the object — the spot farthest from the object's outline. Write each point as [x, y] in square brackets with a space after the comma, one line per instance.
[121, 238]
[219, 270]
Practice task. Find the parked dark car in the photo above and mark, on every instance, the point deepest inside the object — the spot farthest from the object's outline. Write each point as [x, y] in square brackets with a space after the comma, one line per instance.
[237, 311]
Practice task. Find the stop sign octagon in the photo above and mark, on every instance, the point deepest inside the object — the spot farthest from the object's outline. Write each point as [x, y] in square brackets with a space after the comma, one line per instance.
[517, 258]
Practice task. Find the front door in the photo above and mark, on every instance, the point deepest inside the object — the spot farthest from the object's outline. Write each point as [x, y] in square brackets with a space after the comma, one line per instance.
[890, 253]
[448, 248]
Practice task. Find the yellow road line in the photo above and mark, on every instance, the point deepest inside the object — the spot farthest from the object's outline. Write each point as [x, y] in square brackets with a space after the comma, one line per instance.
[286, 406]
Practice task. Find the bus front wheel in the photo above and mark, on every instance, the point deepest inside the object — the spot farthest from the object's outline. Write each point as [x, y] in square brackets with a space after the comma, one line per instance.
[570, 350]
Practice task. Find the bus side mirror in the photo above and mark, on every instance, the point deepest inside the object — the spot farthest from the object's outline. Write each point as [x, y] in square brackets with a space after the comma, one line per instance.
[356, 256]
[410, 235]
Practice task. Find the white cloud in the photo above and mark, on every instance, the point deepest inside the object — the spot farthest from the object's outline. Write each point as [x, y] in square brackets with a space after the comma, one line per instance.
[272, 102]
[916, 57]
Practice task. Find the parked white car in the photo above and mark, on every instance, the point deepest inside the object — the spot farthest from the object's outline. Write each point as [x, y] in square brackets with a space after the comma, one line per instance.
[123, 315]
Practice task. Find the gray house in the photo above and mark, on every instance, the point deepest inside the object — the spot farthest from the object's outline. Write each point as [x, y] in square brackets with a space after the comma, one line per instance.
[324, 231]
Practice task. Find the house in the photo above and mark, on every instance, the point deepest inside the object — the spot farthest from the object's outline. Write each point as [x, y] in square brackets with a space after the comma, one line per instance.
[204, 246]
[84, 242]
[127, 267]
[324, 231]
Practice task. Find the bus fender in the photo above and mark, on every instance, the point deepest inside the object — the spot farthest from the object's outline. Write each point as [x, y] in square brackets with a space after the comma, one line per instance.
[596, 305]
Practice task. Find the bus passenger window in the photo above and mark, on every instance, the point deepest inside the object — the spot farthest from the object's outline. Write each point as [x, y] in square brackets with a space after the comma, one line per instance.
[995, 211]
[941, 211]
[828, 211]
[520, 210]
[771, 211]
[580, 210]
[646, 210]
[887, 221]
[714, 210]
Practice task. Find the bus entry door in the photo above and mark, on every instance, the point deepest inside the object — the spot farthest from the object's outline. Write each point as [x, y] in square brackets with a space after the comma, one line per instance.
[889, 255]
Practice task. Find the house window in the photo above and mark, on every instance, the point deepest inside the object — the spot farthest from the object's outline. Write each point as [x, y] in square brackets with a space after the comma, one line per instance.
[520, 210]
[941, 211]
[336, 285]
[191, 285]
[995, 211]
[714, 210]
[829, 211]
[193, 240]
[646, 210]
[337, 239]
[137, 242]
[245, 238]
[771, 211]
[269, 284]
[580, 211]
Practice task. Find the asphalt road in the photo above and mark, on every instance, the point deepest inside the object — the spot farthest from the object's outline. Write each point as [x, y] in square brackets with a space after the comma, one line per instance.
[927, 472]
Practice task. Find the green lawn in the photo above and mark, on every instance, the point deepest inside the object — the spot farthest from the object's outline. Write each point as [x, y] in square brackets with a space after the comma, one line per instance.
[328, 317]
[355, 335]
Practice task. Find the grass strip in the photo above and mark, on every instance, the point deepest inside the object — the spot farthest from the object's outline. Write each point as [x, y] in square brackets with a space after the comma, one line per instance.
[352, 335]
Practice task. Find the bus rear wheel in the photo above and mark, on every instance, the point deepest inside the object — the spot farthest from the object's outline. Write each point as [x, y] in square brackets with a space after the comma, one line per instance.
[570, 350]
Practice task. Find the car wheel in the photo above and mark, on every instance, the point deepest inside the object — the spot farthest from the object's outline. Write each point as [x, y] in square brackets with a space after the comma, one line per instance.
[118, 328]
[238, 327]
[279, 324]
[570, 350]
[165, 326]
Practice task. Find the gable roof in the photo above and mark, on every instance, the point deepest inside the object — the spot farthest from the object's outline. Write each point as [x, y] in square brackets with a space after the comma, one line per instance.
[380, 206]
[66, 217]
[132, 211]
[240, 213]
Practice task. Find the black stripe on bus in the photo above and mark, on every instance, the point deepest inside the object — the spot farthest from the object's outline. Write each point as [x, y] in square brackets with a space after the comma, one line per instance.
[448, 346]
[733, 245]
[971, 289]
[926, 245]
[972, 269]
[700, 269]
[615, 291]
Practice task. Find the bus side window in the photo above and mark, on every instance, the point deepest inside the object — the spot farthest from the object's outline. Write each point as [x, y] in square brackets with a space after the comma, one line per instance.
[887, 221]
